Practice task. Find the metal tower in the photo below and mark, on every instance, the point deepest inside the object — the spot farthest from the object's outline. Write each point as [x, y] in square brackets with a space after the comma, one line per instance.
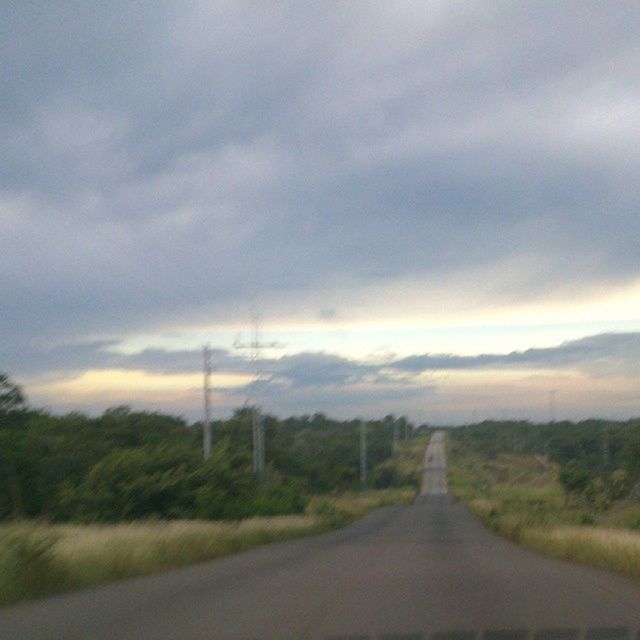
[257, 420]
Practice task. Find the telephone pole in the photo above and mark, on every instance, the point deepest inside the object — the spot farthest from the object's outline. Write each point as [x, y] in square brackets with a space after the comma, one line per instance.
[363, 453]
[259, 454]
[552, 406]
[206, 425]
[605, 448]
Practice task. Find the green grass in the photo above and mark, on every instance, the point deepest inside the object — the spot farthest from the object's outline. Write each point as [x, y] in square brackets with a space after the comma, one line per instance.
[519, 496]
[37, 559]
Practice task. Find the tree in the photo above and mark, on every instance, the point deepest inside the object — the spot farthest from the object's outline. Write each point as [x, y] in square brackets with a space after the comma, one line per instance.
[11, 397]
[575, 477]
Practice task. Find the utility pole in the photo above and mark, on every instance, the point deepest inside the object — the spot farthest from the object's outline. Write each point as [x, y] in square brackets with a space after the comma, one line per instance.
[605, 447]
[394, 448]
[206, 425]
[257, 420]
[552, 406]
[363, 453]
[257, 428]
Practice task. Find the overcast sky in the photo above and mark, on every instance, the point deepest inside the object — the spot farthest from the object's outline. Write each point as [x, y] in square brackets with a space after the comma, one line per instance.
[433, 206]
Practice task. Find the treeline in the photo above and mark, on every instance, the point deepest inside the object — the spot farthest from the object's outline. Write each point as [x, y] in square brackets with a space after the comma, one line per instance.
[599, 459]
[126, 465]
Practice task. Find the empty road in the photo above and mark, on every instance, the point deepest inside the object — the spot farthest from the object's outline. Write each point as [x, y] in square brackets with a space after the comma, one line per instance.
[434, 476]
[403, 572]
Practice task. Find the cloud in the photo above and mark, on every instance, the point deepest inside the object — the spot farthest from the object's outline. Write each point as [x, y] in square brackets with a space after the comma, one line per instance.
[163, 163]
[604, 354]
[327, 314]
[608, 354]
[319, 370]
[73, 359]
[595, 371]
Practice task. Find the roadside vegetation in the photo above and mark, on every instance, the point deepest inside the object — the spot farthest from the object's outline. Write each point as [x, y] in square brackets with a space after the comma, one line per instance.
[128, 465]
[38, 558]
[569, 490]
[85, 500]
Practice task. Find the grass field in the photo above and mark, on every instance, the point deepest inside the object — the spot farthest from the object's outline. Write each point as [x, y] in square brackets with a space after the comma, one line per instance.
[38, 559]
[519, 496]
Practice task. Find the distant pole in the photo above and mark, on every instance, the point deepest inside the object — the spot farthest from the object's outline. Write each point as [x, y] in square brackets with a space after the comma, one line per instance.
[263, 455]
[363, 453]
[395, 436]
[206, 425]
[258, 427]
[258, 444]
[552, 406]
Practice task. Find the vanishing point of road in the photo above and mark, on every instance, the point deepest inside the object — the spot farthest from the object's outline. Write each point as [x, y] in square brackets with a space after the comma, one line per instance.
[428, 570]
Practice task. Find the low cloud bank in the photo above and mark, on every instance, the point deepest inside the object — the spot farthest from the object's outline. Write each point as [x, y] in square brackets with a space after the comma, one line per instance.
[599, 355]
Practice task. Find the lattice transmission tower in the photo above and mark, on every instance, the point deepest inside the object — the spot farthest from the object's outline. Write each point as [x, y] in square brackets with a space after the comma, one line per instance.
[255, 346]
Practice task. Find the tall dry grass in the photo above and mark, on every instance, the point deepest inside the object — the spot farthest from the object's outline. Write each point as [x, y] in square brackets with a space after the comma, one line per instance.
[37, 559]
[606, 548]
[101, 553]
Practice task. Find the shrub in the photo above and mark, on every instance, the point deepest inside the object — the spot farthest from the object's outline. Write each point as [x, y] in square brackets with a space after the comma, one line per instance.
[278, 498]
[574, 477]
[586, 518]
[328, 510]
[27, 563]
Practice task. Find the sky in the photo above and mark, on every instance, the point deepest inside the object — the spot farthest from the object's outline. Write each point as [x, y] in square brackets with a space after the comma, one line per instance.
[431, 207]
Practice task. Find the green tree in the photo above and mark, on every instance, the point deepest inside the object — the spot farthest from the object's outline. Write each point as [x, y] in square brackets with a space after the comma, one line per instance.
[136, 483]
[11, 396]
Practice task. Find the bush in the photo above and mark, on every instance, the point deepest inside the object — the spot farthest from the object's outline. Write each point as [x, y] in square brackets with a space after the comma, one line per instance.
[27, 564]
[586, 518]
[327, 510]
[132, 484]
[574, 477]
[277, 498]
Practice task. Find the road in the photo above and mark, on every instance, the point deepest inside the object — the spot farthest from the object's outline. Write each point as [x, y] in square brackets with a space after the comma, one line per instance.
[434, 476]
[420, 571]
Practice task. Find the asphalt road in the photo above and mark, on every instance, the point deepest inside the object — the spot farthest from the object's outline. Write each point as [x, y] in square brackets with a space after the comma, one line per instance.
[402, 572]
[434, 475]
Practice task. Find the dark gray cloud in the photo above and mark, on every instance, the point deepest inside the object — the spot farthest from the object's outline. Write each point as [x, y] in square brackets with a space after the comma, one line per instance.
[320, 370]
[70, 359]
[604, 354]
[162, 161]
[600, 355]
[311, 381]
